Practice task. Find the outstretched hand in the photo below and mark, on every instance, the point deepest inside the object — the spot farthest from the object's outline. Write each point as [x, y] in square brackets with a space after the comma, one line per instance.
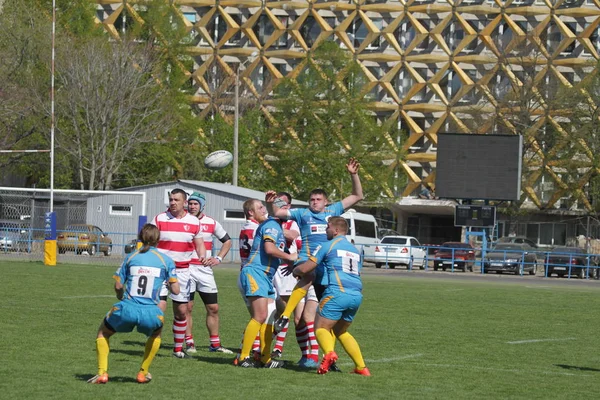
[270, 196]
[352, 166]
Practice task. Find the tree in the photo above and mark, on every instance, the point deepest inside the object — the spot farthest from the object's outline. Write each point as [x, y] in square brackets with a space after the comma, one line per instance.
[320, 120]
[111, 100]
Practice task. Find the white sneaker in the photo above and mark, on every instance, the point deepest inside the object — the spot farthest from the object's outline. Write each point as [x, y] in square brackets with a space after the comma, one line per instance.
[191, 349]
[179, 354]
[220, 349]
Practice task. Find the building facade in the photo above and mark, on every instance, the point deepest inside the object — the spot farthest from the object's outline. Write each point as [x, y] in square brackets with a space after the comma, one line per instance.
[433, 67]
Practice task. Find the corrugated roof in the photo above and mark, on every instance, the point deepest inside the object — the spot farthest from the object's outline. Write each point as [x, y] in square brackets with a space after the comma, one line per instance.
[236, 190]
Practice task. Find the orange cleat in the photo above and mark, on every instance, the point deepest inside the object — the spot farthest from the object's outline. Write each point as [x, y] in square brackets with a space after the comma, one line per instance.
[99, 379]
[364, 372]
[328, 359]
[143, 378]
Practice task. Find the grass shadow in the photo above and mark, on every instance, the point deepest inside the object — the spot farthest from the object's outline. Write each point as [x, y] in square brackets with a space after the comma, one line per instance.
[574, 367]
[122, 379]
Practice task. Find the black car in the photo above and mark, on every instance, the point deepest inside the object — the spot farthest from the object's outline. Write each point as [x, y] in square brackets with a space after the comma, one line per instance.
[511, 257]
[572, 261]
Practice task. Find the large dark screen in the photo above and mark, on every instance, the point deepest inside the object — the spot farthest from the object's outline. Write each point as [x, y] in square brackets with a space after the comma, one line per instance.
[486, 167]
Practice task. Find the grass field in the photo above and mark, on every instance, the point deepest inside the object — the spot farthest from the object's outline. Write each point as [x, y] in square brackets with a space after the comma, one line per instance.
[422, 337]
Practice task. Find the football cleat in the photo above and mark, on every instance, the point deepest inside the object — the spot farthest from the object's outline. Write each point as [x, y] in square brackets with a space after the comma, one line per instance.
[280, 324]
[178, 354]
[276, 353]
[247, 362]
[274, 364]
[334, 368]
[220, 349]
[191, 349]
[143, 378]
[328, 359]
[364, 372]
[308, 363]
[99, 379]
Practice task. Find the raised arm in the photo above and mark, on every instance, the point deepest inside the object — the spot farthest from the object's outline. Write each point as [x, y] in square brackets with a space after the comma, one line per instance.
[357, 193]
[272, 206]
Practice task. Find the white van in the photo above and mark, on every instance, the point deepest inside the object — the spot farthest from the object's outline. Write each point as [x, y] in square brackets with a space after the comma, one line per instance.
[362, 233]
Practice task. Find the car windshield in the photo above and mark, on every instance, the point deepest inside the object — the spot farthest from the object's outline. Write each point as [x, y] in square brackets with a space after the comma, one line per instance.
[508, 246]
[394, 240]
[570, 250]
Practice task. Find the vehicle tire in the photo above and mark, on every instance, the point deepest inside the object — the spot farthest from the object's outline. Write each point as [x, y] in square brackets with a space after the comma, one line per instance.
[533, 270]
[435, 268]
[581, 273]
[444, 269]
[560, 274]
[391, 266]
[92, 250]
[108, 251]
[520, 270]
[548, 272]
[377, 265]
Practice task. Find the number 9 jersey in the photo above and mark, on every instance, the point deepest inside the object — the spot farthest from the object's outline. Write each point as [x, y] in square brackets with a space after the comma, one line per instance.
[143, 275]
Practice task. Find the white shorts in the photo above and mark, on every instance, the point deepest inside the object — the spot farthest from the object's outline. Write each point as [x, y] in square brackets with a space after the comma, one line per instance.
[183, 277]
[311, 295]
[284, 285]
[202, 279]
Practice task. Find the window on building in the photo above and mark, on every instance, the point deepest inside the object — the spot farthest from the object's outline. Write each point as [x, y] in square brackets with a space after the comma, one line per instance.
[120, 209]
[264, 28]
[234, 215]
[222, 28]
[311, 29]
[359, 31]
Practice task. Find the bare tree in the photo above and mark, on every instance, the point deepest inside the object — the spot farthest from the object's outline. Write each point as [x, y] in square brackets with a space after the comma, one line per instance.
[110, 101]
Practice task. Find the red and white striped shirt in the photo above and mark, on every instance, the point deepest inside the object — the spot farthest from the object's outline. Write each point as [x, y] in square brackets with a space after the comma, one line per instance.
[209, 227]
[246, 239]
[177, 236]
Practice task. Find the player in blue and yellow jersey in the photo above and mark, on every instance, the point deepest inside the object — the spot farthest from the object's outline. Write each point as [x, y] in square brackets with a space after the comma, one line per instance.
[313, 223]
[137, 284]
[342, 297]
[256, 278]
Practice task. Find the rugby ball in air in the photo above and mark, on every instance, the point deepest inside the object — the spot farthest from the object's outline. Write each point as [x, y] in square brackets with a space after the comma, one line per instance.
[218, 159]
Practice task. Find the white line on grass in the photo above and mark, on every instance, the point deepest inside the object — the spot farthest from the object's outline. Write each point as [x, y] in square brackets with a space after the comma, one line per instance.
[88, 297]
[387, 360]
[540, 340]
[504, 370]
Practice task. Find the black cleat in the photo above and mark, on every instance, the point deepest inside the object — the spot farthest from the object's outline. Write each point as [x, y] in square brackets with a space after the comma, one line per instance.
[334, 368]
[247, 362]
[274, 364]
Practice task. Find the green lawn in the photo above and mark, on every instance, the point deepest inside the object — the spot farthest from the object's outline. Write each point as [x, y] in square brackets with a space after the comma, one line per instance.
[422, 338]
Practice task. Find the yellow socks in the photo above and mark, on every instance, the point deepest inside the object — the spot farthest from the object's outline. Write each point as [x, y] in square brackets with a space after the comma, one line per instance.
[352, 348]
[252, 329]
[326, 340]
[295, 298]
[152, 346]
[102, 350]
[266, 339]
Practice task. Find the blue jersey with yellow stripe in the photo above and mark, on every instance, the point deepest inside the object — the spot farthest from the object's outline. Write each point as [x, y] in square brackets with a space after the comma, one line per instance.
[143, 275]
[342, 264]
[313, 225]
[269, 230]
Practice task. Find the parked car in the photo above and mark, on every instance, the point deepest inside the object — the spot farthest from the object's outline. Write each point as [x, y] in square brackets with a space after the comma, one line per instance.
[13, 236]
[511, 257]
[84, 238]
[569, 260]
[517, 240]
[399, 250]
[454, 254]
[131, 246]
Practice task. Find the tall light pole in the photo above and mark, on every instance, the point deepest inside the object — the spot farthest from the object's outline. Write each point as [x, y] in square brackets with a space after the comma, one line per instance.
[236, 121]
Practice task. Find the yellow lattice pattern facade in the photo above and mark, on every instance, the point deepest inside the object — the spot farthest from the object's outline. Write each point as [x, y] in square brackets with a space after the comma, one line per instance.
[429, 64]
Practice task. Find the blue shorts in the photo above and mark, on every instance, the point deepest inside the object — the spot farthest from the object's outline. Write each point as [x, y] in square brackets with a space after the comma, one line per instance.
[126, 315]
[337, 306]
[256, 283]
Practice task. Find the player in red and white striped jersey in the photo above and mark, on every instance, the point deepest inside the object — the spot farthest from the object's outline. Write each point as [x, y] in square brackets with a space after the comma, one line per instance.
[202, 279]
[180, 239]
